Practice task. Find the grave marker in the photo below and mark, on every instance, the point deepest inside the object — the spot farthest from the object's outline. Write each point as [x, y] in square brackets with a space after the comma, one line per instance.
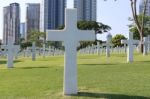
[71, 37]
[130, 49]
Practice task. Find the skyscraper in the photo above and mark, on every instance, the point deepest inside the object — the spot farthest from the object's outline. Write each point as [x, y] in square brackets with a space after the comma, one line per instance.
[86, 9]
[6, 17]
[32, 17]
[11, 23]
[52, 14]
[22, 30]
[141, 7]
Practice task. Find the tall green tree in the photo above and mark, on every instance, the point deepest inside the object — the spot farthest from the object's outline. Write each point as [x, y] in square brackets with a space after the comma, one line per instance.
[116, 40]
[92, 25]
[138, 23]
[135, 31]
[38, 37]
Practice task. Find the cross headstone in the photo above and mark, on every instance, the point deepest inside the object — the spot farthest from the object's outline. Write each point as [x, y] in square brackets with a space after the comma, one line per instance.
[145, 48]
[28, 52]
[71, 37]
[125, 48]
[16, 51]
[43, 50]
[130, 49]
[149, 43]
[98, 48]
[92, 49]
[108, 44]
[118, 49]
[33, 49]
[10, 53]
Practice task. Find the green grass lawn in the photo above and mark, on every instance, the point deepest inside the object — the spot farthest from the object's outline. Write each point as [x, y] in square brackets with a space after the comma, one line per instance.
[97, 78]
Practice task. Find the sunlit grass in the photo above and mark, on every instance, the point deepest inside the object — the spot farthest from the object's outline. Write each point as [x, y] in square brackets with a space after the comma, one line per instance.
[97, 78]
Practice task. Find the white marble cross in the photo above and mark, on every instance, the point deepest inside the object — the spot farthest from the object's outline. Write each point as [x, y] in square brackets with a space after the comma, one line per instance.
[16, 51]
[125, 48]
[98, 48]
[71, 37]
[149, 43]
[108, 44]
[10, 53]
[27, 52]
[130, 49]
[145, 48]
[44, 50]
[33, 49]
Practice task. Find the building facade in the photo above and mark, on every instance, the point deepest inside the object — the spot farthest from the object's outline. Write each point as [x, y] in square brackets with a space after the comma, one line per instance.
[52, 14]
[141, 7]
[11, 23]
[32, 17]
[22, 30]
[87, 9]
[6, 18]
[0, 42]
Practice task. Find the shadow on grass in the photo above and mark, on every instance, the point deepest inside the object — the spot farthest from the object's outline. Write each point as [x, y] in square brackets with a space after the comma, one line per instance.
[5, 62]
[143, 61]
[31, 67]
[97, 64]
[108, 96]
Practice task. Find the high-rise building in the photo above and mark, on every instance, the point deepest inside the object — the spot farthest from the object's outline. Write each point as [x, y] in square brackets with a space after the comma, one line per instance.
[32, 17]
[6, 17]
[87, 9]
[0, 41]
[11, 23]
[22, 30]
[52, 14]
[141, 7]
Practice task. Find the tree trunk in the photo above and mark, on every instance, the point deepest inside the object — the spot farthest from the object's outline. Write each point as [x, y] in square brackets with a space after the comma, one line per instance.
[141, 44]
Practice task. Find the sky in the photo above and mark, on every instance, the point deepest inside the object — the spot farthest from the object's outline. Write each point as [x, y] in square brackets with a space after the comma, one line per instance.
[114, 14]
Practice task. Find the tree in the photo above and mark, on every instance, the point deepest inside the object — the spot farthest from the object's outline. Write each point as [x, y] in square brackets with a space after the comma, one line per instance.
[38, 37]
[134, 30]
[138, 23]
[92, 25]
[116, 40]
[135, 33]
[24, 45]
[98, 27]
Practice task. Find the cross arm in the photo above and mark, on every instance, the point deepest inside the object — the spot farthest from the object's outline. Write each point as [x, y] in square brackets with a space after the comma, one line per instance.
[4, 46]
[124, 41]
[55, 35]
[136, 42]
[87, 35]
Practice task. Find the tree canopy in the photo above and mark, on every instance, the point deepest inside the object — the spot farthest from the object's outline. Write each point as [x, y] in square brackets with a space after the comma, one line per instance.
[37, 37]
[116, 40]
[134, 30]
[93, 25]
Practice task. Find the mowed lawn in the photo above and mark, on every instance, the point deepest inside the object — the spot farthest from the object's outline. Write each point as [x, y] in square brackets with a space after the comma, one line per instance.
[97, 78]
